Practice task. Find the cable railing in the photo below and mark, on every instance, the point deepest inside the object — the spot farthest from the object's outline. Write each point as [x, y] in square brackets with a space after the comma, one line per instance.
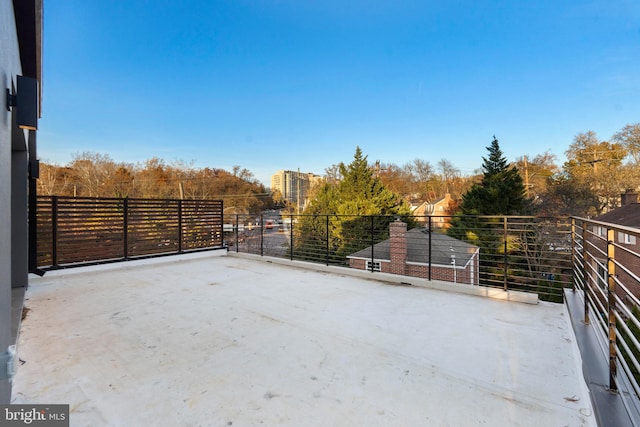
[530, 254]
[606, 267]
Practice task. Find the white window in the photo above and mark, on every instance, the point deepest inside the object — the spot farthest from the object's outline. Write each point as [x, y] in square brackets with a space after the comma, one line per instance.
[374, 266]
[600, 231]
[629, 239]
[602, 275]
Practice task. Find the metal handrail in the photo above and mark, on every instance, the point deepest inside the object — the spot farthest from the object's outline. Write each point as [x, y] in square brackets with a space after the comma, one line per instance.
[526, 253]
[606, 271]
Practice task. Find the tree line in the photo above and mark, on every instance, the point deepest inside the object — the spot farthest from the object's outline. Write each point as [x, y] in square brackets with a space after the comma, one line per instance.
[588, 183]
[97, 175]
[353, 212]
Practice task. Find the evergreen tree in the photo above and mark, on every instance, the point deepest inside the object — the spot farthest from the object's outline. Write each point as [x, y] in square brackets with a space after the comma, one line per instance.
[496, 163]
[359, 192]
[344, 212]
[501, 191]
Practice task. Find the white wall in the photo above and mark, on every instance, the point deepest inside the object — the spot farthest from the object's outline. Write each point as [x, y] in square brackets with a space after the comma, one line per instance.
[9, 68]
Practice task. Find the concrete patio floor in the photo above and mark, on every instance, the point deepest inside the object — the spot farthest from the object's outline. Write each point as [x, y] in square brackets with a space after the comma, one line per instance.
[211, 339]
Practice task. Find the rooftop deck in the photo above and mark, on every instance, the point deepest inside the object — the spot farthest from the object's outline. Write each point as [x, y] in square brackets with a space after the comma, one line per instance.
[216, 339]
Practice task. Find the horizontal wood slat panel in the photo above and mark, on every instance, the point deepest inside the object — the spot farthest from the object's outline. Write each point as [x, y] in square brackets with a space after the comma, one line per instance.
[83, 230]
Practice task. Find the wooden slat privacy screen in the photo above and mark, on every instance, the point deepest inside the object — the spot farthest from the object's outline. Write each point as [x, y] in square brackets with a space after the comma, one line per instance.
[76, 230]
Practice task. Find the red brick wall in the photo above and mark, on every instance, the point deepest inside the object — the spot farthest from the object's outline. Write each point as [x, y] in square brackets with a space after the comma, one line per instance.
[413, 270]
[360, 264]
[630, 261]
[463, 275]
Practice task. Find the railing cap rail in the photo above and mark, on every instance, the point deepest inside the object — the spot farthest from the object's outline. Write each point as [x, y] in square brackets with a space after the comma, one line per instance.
[632, 230]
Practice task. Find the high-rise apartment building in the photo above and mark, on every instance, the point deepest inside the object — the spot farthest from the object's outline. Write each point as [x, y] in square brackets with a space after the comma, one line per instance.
[294, 186]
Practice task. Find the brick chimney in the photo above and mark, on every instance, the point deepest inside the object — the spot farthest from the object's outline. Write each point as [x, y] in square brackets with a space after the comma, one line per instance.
[628, 197]
[398, 246]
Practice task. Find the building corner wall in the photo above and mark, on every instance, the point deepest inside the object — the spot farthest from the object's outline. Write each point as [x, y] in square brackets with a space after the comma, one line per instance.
[10, 68]
[19, 219]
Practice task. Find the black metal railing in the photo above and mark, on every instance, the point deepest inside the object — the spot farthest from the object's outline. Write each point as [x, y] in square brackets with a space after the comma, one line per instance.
[530, 254]
[81, 230]
[606, 266]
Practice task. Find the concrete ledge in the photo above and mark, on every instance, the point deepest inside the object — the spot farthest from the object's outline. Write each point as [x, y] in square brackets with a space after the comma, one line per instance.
[126, 264]
[481, 291]
[609, 406]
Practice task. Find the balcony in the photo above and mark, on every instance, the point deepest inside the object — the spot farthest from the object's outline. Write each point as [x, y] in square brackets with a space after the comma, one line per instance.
[258, 333]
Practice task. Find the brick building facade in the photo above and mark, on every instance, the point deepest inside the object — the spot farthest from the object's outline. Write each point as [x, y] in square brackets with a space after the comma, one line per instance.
[626, 240]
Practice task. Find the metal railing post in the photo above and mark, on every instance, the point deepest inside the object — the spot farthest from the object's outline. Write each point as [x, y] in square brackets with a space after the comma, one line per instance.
[54, 231]
[326, 253]
[586, 284]
[291, 236]
[506, 258]
[261, 234]
[430, 225]
[372, 243]
[237, 233]
[611, 289]
[573, 252]
[125, 227]
[179, 225]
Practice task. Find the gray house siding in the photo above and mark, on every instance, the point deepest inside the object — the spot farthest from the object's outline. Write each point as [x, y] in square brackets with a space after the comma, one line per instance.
[20, 35]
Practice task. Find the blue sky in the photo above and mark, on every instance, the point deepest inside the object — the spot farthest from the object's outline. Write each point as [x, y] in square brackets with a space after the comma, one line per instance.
[288, 84]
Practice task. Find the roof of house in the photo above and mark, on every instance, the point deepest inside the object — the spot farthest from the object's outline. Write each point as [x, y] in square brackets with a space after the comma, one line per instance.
[442, 247]
[627, 215]
[429, 208]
